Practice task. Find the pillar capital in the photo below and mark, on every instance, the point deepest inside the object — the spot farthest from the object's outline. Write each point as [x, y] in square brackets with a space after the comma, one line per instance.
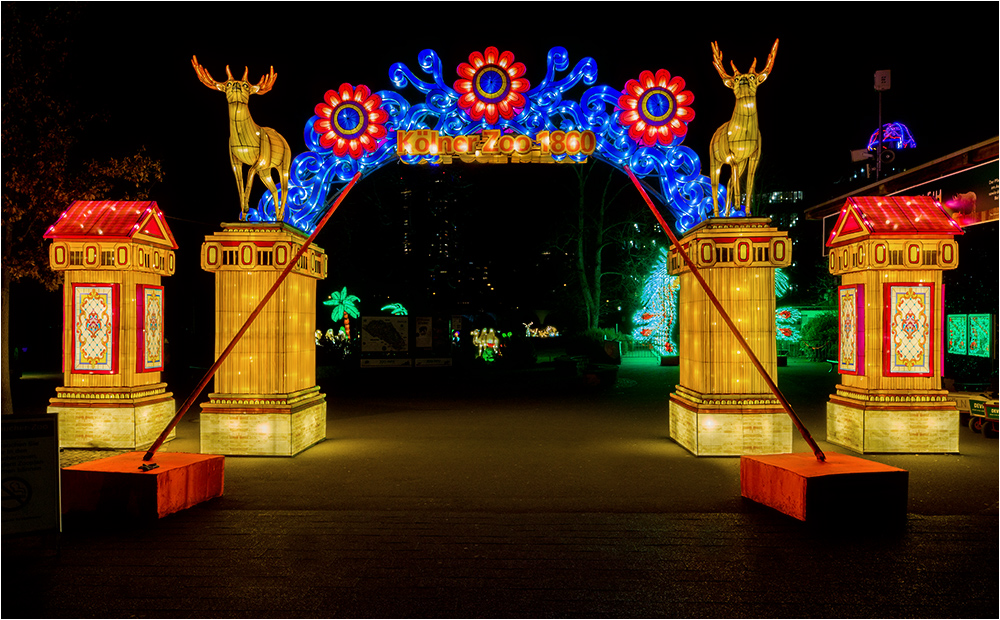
[261, 246]
[733, 242]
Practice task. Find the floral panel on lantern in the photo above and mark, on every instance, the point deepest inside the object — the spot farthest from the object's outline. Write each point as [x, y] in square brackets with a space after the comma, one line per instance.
[149, 318]
[909, 322]
[95, 328]
[851, 321]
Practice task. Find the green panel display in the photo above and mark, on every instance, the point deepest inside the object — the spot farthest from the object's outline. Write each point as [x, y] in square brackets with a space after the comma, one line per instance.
[980, 334]
[958, 327]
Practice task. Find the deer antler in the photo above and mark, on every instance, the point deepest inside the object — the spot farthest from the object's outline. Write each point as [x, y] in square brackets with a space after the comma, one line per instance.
[266, 82]
[770, 63]
[203, 75]
[717, 61]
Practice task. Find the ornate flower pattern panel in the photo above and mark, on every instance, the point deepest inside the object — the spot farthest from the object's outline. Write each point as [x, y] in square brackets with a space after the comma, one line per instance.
[851, 321]
[958, 327]
[909, 321]
[95, 328]
[149, 318]
[980, 334]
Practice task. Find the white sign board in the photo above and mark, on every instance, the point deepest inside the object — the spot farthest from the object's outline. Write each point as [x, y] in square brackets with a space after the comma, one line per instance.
[30, 477]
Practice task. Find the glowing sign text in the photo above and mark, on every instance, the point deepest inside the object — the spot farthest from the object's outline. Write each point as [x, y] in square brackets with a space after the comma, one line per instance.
[493, 146]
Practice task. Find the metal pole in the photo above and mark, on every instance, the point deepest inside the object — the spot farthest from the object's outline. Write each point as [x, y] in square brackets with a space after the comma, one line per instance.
[246, 325]
[878, 159]
[732, 326]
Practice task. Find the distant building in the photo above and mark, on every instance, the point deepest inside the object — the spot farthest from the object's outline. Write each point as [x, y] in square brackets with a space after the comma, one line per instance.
[437, 240]
[965, 182]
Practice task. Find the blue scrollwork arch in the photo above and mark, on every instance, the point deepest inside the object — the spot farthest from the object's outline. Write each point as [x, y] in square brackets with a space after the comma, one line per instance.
[640, 126]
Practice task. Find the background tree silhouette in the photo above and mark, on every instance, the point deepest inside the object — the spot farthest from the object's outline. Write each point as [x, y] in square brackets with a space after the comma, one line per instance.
[44, 165]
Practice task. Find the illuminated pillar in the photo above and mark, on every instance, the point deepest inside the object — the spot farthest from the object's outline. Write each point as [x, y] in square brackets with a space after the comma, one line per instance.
[113, 255]
[890, 253]
[722, 407]
[266, 401]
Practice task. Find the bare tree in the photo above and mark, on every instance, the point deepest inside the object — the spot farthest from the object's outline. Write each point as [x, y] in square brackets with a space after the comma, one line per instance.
[42, 169]
[610, 240]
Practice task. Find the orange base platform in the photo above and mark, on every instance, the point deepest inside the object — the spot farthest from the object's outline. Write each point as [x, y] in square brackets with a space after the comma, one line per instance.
[842, 488]
[116, 487]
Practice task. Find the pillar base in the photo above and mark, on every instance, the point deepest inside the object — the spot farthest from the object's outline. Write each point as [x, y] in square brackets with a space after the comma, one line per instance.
[917, 422]
[729, 424]
[263, 425]
[112, 418]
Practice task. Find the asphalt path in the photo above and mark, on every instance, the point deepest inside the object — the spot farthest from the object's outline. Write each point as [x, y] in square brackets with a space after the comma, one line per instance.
[529, 441]
[485, 493]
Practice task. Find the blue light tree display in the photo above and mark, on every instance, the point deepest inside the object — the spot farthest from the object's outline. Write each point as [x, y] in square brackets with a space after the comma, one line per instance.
[640, 126]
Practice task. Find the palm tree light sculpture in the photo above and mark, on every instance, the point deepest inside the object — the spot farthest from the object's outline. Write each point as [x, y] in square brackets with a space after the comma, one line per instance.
[344, 306]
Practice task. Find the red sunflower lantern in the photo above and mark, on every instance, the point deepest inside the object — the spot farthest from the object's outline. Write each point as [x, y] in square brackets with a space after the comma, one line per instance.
[350, 120]
[491, 85]
[656, 108]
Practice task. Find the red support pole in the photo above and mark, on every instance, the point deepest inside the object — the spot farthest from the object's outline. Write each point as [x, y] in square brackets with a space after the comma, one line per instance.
[732, 326]
[246, 325]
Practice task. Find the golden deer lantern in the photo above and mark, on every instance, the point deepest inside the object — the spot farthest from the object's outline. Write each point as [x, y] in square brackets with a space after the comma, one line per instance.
[737, 143]
[261, 148]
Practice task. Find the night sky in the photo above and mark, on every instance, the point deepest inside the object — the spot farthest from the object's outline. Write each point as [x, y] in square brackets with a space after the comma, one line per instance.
[132, 61]
[819, 103]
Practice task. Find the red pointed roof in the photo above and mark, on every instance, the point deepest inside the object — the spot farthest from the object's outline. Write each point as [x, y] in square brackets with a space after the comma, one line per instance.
[113, 219]
[862, 216]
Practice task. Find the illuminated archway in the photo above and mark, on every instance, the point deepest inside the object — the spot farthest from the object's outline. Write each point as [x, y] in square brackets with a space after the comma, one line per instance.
[492, 113]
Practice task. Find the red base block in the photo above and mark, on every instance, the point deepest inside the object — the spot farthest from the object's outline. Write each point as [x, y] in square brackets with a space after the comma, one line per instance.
[840, 488]
[116, 487]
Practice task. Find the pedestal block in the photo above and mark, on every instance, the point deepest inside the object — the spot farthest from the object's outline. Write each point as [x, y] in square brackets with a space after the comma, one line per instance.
[842, 489]
[266, 401]
[890, 253]
[115, 487]
[722, 406]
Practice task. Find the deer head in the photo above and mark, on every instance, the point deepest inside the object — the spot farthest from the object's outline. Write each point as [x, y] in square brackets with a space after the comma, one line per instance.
[236, 90]
[743, 84]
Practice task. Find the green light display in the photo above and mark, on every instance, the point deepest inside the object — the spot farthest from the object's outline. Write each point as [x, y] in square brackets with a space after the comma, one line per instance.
[980, 335]
[958, 326]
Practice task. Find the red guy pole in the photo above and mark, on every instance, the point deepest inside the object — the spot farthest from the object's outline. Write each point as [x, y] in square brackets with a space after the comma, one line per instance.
[732, 326]
[246, 325]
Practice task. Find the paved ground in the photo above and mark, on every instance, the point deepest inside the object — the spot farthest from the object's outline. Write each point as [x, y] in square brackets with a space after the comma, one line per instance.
[506, 496]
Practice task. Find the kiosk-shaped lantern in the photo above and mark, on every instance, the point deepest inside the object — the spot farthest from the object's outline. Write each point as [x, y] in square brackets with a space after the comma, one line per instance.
[113, 255]
[722, 406]
[266, 401]
[889, 252]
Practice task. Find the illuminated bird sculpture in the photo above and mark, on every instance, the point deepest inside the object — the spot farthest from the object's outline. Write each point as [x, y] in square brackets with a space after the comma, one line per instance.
[737, 143]
[261, 148]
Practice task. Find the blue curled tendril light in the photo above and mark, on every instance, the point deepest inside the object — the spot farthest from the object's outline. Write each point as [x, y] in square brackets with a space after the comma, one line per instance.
[672, 170]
